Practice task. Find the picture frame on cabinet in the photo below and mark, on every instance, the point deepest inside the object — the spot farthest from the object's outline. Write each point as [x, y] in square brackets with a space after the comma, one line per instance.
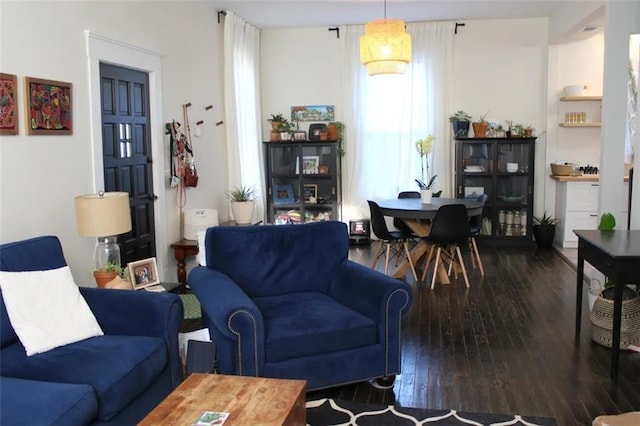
[310, 193]
[310, 164]
[283, 194]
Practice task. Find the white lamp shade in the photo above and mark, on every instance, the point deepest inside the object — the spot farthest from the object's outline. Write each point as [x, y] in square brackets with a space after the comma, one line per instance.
[103, 216]
[386, 47]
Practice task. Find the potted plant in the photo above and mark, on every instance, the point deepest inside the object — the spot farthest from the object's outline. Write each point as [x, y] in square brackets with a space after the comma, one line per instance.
[480, 126]
[334, 130]
[527, 131]
[242, 200]
[544, 230]
[424, 148]
[460, 121]
[286, 129]
[107, 273]
[276, 121]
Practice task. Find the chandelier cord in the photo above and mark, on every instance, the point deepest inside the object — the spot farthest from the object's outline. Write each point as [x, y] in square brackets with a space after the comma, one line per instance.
[385, 9]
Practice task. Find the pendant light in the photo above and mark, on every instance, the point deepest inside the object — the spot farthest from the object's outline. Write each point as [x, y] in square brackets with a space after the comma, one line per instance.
[385, 48]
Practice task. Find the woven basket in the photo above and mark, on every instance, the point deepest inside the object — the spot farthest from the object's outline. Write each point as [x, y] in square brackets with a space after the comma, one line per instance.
[601, 317]
[561, 169]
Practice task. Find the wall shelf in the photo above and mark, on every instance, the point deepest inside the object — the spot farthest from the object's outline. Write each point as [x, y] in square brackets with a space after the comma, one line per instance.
[580, 98]
[580, 125]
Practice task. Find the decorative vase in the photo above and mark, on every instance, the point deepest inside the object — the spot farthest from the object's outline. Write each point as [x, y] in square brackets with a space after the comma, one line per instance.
[426, 195]
[480, 129]
[242, 212]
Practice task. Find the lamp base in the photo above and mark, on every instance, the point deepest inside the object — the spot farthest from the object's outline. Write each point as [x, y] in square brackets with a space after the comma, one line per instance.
[107, 251]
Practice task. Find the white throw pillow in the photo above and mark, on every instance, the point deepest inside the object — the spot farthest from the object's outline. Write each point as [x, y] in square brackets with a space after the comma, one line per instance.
[46, 309]
[201, 257]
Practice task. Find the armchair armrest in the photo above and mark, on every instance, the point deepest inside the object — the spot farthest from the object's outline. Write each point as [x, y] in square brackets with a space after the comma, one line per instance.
[368, 291]
[140, 313]
[234, 321]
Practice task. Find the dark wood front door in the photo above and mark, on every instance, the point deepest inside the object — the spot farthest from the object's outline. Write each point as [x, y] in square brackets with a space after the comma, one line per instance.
[127, 156]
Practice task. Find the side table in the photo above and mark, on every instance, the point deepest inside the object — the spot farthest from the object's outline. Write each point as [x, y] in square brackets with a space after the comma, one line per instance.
[183, 249]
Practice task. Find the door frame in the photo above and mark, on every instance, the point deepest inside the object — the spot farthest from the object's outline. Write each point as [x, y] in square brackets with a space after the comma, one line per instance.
[104, 49]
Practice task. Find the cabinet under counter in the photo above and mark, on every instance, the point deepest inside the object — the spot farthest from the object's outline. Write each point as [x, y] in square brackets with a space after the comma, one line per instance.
[577, 206]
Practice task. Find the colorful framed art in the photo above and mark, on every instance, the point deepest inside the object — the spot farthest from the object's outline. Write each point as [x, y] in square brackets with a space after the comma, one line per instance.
[8, 104]
[48, 106]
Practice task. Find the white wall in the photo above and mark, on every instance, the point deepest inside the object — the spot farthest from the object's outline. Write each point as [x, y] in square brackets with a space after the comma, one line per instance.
[41, 175]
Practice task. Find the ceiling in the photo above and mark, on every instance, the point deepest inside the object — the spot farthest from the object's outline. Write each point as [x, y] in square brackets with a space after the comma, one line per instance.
[267, 14]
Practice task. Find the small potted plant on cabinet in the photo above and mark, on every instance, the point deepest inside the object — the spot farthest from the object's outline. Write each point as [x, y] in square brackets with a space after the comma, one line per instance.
[286, 130]
[276, 121]
[334, 130]
[544, 230]
[460, 121]
[480, 126]
[107, 273]
[242, 200]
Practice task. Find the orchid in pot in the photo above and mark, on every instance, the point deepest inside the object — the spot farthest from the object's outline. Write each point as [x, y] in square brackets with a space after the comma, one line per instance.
[424, 148]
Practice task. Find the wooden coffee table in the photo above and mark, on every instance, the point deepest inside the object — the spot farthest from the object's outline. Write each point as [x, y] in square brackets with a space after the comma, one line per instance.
[248, 400]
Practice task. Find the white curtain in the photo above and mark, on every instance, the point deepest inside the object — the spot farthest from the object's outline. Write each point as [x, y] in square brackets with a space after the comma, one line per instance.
[242, 106]
[387, 114]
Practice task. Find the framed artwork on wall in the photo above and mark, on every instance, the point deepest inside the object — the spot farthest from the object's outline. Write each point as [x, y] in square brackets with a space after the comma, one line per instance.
[8, 104]
[313, 113]
[48, 107]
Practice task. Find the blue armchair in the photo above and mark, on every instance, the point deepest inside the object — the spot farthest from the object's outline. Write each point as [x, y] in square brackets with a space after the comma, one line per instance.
[285, 302]
[117, 378]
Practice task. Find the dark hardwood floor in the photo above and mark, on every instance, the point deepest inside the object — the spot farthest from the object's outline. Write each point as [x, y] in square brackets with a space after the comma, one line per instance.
[505, 345]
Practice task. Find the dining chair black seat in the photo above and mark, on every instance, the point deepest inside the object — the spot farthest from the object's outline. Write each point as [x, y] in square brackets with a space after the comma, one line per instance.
[449, 230]
[393, 243]
[399, 223]
[475, 222]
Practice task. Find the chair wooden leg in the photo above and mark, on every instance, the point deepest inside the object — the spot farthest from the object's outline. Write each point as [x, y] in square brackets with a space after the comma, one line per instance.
[477, 255]
[378, 253]
[435, 269]
[426, 264]
[464, 270]
[473, 261]
[386, 260]
[408, 254]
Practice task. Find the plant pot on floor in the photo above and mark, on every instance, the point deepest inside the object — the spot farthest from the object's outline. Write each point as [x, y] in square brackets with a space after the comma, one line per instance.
[242, 212]
[544, 235]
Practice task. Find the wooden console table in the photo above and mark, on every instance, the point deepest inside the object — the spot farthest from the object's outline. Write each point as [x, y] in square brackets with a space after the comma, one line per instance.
[617, 255]
[181, 250]
[248, 400]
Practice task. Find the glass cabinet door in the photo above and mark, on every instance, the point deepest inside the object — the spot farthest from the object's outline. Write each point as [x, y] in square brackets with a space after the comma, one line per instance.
[319, 192]
[513, 188]
[476, 159]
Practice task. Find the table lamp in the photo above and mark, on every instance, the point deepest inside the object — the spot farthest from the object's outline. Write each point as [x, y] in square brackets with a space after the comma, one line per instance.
[104, 216]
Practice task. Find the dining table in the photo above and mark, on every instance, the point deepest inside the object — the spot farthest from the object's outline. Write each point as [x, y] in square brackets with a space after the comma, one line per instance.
[418, 217]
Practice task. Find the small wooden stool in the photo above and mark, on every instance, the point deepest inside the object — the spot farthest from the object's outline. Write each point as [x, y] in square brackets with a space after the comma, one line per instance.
[626, 419]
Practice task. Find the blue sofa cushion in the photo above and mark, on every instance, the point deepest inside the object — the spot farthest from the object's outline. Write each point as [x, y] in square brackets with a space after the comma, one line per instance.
[275, 270]
[118, 368]
[302, 324]
[34, 403]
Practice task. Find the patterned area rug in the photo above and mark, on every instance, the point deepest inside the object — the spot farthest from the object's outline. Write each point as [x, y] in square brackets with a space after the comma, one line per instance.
[325, 412]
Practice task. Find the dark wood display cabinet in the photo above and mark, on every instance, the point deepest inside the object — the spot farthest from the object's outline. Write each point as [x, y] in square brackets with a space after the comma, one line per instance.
[302, 181]
[502, 168]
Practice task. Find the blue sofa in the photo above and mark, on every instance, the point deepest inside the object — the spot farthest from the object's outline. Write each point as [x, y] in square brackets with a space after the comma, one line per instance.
[285, 302]
[112, 379]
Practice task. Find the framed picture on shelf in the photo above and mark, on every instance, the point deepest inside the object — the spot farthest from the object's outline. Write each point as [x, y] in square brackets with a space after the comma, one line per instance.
[310, 164]
[48, 106]
[283, 194]
[473, 192]
[310, 192]
[143, 273]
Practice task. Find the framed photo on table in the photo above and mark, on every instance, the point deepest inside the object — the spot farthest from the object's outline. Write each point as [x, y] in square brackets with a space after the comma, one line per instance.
[143, 273]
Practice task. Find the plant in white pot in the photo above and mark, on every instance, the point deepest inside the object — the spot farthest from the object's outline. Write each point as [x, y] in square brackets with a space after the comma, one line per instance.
[424, 148]
[242, 200]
